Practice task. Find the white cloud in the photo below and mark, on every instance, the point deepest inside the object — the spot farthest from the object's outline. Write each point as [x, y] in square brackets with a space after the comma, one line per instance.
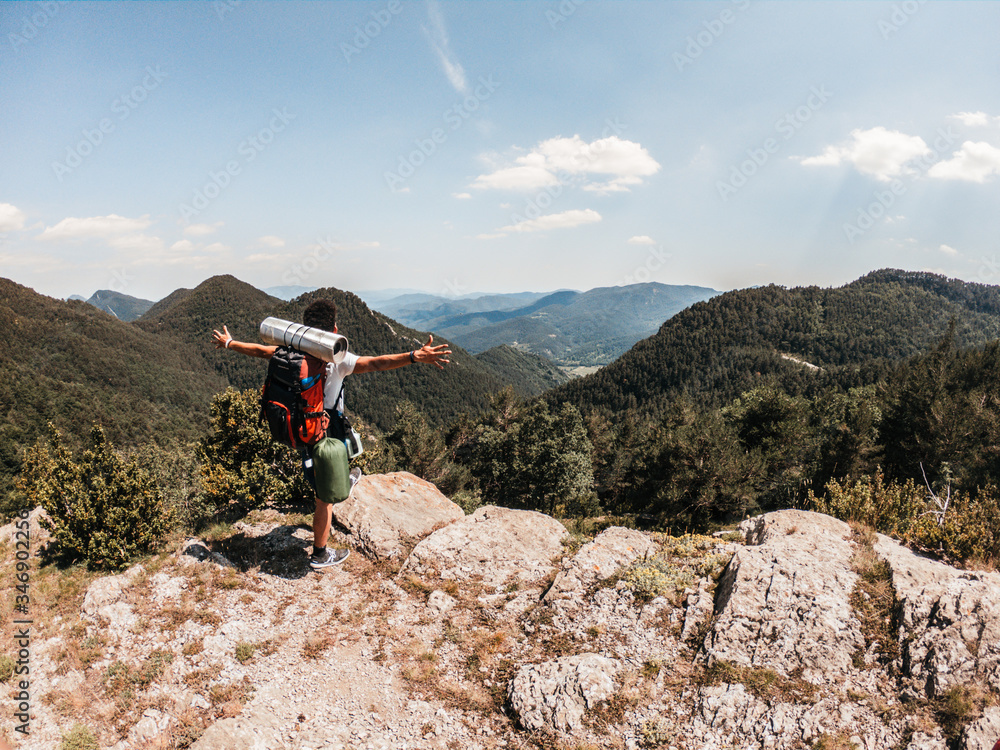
[491, 236]
[105, 227]
[269, 240]
[564, 220]
[266, 258]
[973, 119]
[11, 218]
[438, 37]
[973, 162]
[878, 152]
[641, 239]
[948, 250]
[182, 246]
[136, 243]
[461, 196]
[216, 248]
[200, 230]
[556, 159]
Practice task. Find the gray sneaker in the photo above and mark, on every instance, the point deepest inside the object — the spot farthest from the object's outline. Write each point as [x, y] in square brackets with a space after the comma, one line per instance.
[328, 558]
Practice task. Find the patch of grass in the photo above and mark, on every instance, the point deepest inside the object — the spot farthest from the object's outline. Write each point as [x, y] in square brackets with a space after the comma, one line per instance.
[315, 645]
[839, 741]
[193, 647]
[200, 679]
[873, 599]
[765, 684]
[6, 668]
[79, 738]
[960, 705]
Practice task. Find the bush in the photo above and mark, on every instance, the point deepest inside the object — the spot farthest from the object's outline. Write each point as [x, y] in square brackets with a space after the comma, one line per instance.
[103, 508]
[969, 531]
[241, 464]
[79, 738]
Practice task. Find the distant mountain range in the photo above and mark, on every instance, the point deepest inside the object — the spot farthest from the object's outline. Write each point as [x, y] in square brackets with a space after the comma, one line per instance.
[568, 327]
[851, 335]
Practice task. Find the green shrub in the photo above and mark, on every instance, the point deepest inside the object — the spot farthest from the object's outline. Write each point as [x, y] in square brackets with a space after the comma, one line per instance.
[103, 508]
[79, 738]
[967, 532]
[683, 561]
[891, 508]
[241, 464]
[6, 668]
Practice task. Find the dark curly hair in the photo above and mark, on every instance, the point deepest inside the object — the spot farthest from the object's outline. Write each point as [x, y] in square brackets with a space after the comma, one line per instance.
[321, 314]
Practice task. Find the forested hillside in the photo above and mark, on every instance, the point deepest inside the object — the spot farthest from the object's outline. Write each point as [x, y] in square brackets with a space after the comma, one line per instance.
[529, 374]
[73, 364]
[715, 350]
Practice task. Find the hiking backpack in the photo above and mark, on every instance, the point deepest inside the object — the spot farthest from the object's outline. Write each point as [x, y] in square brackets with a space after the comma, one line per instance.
[292, 398]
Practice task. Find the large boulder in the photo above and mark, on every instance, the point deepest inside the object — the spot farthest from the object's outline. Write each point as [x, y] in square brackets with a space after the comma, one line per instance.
[950, 622]
[554, 695]
[783, 602]
[613, 549]
[494, 545]
[386, 511]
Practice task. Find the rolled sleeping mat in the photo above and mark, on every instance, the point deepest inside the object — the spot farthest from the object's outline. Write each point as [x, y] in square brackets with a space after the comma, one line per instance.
[329, 347]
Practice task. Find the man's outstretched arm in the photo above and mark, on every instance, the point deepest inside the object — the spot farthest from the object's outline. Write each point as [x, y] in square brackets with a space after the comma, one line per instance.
[225, 341]
[427, 354]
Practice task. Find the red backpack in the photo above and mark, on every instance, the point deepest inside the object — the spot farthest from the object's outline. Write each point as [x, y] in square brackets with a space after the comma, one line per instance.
[292, 398]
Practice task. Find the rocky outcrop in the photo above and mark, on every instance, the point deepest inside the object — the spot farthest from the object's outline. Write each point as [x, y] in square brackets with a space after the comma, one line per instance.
[387, 512]
[613, 549]
[495, 546]
[236, 643]
[783, 601]
[949, 622]
[554, 695]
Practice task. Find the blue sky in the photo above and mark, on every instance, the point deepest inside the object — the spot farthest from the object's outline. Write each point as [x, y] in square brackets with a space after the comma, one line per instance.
[458, 147]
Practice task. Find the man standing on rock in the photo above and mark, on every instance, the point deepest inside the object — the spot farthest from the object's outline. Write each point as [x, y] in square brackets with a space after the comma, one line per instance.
[322, 314]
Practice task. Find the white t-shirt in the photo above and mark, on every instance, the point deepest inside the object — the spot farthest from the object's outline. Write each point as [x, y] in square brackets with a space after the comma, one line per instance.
[335, 375]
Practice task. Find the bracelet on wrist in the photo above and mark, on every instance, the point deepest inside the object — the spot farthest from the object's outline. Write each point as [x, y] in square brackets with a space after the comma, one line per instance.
[228, 343]
[412, 358]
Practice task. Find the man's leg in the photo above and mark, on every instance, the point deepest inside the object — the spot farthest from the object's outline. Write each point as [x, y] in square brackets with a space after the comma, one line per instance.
[322, 520]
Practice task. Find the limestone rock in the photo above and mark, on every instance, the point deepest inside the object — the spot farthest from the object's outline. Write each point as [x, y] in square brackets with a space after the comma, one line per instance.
[950, 621]
[783, 602]
[492, 545]
[440, 602]
[555, 694]
[253, 730]
[983, 733]
[612, 550]
[385, 510]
